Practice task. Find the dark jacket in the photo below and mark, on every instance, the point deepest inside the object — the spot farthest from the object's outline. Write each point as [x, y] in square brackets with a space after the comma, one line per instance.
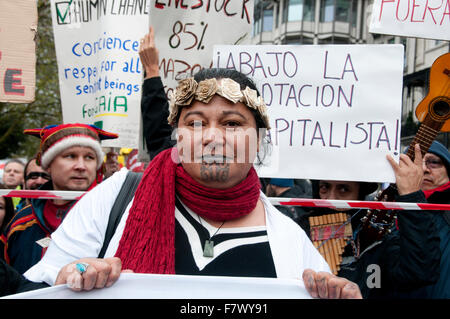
[297, 213]
[441, 289]
[12, 282]
[406, 259]
[155, 111]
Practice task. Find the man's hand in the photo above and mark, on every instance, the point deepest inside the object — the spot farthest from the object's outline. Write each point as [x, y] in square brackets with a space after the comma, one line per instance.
[99, 273]
[149, 55]
[328, 286]
[408, 174]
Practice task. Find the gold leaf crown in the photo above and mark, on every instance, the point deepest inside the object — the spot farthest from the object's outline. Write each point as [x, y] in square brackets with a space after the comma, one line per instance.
[203, 91]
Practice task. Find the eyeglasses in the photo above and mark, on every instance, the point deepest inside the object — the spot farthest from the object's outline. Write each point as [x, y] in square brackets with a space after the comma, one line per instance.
[36, 175]
[433, 163]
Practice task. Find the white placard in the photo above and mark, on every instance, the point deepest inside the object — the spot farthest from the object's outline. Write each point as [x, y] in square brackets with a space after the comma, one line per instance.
[186, 31]
[99, 70]
[412, 18]
[335, 110]
[150, 286]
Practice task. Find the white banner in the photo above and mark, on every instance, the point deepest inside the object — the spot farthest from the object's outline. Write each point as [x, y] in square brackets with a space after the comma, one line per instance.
[100, 74]
[186, 31]
[150, 286]
[412, 18]
[335, 110]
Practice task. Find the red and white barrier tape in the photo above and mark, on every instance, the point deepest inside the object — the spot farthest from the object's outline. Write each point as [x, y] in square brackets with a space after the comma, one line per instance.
[306, 202]
[356, 204]
[41, 194]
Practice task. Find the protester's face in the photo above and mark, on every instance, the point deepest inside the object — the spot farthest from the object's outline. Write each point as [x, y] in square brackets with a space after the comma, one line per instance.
[13, 175]
[35, 176]
[339, 190]
[2, 210]
[434, 172]
[217, 142]
[111, 165]
[74, 169]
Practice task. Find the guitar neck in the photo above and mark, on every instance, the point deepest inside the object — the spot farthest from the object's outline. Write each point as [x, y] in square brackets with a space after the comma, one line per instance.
[426, 134]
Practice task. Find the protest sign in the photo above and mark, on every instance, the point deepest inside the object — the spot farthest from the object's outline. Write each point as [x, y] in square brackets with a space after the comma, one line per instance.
[187, 30]
[18, 26]
[151, 286]
[100, 74]
[335, 110]
[412, 18]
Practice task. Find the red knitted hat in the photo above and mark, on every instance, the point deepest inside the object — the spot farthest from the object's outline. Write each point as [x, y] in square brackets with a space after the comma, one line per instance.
[57, 138]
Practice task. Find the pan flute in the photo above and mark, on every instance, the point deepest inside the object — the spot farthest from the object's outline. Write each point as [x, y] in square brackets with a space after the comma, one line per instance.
[329, 234]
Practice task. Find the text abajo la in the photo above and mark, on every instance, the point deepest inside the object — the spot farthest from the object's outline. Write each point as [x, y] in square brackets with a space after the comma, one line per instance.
[274, 64]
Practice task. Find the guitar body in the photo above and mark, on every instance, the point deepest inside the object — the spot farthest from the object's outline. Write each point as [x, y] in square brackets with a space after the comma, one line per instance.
[437, 101]
[434, 114]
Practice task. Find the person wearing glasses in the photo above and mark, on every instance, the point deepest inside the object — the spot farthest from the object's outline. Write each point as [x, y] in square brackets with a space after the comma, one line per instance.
[436, 187]
[403, 260]
[34, 176]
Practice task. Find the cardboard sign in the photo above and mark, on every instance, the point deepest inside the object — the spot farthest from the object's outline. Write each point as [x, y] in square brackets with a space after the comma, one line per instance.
[187, 30]
[100, 74]
[335, 110]
[150, 286]
[412, 18]
[18, 26]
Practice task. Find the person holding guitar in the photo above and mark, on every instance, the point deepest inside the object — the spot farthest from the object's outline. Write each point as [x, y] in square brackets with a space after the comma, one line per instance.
[405, 258]
[436, 187]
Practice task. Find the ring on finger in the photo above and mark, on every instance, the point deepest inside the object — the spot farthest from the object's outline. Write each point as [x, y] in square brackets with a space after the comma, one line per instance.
[82, 267]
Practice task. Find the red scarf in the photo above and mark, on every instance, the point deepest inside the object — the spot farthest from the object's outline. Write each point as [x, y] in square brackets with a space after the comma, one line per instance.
[441, 188]
[148, 240]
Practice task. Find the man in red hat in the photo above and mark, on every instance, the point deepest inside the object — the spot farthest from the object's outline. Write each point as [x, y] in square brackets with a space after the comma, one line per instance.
[72, 156]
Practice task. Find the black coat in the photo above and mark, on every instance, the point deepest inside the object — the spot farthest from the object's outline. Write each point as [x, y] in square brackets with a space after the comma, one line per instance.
[155, 111]
[297, 213]
[404, 260]
[12, 282]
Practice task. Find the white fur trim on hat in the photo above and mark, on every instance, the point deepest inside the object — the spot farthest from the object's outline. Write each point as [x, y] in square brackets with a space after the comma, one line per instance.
[70, 141]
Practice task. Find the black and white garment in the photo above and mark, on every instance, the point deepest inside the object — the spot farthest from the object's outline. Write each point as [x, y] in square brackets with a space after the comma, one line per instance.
[240, 251]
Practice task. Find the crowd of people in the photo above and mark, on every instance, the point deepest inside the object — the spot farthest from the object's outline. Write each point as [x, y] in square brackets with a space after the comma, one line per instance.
[198, 210]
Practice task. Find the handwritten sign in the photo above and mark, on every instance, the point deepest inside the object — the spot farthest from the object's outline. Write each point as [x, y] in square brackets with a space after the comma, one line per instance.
[187, 30]
[100, 74]
[18, 25]
[150, 286]
[335, 111]
[412, 18]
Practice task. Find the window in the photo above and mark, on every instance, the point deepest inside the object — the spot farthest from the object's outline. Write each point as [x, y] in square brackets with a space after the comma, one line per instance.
[338, 10]
[267, 20]
[343, 8]
[326, 10]
[262, 17]
[257, 21]
[301, 40]
[298, 10]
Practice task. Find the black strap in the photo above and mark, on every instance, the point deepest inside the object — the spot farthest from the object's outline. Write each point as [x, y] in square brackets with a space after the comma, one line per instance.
[124, 197]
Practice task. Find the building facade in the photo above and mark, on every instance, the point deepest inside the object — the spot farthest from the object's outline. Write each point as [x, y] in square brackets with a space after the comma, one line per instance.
[347, 22]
